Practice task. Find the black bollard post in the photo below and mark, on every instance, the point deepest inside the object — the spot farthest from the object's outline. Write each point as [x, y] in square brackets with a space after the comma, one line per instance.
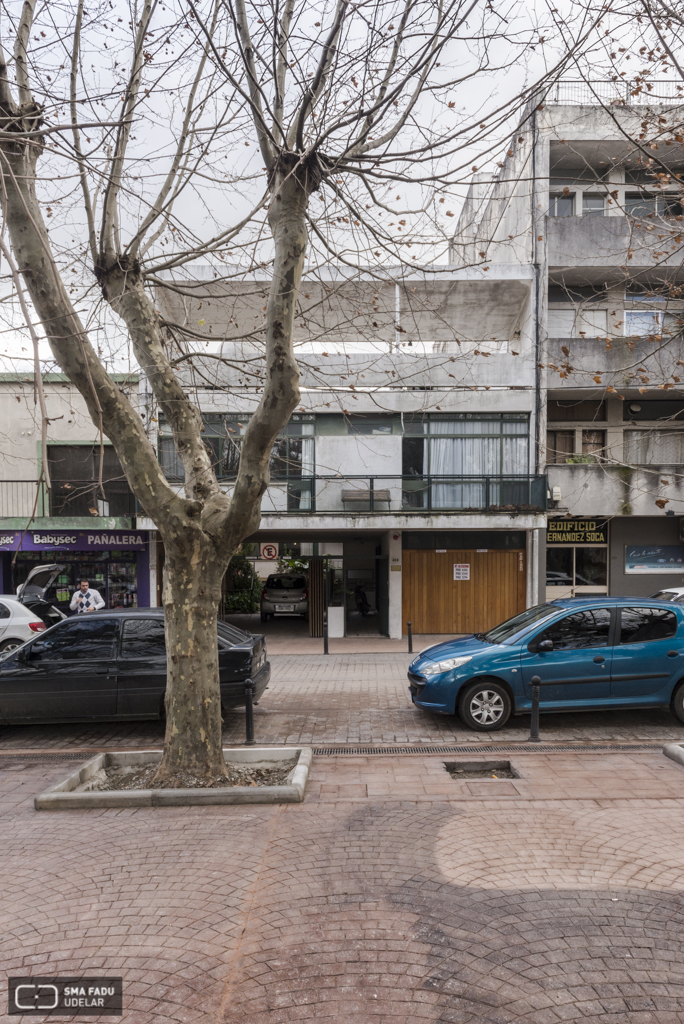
[410, 638]
[534, 721]
[249, 713]
[325, 636]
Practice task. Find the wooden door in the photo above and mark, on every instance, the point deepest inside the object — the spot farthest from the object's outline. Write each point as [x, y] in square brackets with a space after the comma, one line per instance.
[435, 602]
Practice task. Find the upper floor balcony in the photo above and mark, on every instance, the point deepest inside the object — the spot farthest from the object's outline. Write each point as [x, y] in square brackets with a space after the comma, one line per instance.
[615, 241]
[616, 362]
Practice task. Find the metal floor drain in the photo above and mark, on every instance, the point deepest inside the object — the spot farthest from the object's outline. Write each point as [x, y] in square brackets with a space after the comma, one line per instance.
[472, 748]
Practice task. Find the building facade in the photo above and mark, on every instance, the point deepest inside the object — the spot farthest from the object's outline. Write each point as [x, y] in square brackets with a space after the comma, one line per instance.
[597, 216]
[70, 523]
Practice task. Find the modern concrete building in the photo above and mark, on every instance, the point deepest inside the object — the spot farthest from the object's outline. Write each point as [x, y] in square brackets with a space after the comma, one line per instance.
[411, 464]
[596, 215]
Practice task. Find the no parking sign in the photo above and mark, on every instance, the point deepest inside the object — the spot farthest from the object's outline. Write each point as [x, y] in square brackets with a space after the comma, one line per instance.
[269, 552]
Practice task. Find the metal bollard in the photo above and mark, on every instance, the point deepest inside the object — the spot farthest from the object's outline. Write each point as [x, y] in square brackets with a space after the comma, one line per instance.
[325, 636]
[249, 713]
[534, 721]
[410, 638]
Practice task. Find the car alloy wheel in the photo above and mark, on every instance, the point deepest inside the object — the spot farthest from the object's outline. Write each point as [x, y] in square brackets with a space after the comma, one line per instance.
[486, 707]
[10, 645]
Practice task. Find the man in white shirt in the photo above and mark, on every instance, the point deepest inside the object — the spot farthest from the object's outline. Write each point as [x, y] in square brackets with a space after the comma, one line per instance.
[86, 600]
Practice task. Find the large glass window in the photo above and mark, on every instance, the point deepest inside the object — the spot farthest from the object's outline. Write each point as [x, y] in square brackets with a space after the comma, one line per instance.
[85, 639]
[646, 204]
[577, 567]
[653, 447]
[292, 455]
[465, 446]
[593, 204]
[560, 445]
[578, 631]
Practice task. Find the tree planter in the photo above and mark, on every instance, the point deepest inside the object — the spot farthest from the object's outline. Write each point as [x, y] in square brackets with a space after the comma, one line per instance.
[66, 795]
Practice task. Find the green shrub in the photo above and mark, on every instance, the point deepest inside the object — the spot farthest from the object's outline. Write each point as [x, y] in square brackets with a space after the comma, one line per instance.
[241, 601]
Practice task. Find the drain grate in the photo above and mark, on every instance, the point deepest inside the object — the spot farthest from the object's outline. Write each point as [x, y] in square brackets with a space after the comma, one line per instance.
[473, 748]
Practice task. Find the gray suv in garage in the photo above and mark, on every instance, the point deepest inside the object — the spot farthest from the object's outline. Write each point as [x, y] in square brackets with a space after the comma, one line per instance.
[285, 594]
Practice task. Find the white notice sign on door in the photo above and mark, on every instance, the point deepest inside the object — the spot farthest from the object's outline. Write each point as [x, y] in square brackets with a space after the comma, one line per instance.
[462, 571]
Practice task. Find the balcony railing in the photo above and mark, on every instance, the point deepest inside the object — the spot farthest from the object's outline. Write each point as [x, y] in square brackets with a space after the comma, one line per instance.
[621, 93]
[404, 494]
[19, 499]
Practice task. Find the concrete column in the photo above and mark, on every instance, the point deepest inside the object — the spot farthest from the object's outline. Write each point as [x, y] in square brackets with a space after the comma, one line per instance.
[536, 567]
[153, 568]
[392, 540]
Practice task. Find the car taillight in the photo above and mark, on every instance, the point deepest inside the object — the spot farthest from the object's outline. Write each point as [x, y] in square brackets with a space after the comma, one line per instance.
[36, 626]
[263, 595]
[306, 596]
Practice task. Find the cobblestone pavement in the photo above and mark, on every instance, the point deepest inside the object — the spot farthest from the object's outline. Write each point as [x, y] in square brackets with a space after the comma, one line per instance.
[392, 894]
[354, 699]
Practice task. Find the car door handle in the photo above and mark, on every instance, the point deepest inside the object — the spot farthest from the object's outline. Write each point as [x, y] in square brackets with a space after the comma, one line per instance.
[673, 654]
[599, 658]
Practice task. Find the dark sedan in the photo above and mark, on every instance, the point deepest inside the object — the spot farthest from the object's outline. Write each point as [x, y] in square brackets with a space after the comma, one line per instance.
[113, 665]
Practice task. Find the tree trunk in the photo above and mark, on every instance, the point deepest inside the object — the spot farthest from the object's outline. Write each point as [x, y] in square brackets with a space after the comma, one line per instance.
[190, 596]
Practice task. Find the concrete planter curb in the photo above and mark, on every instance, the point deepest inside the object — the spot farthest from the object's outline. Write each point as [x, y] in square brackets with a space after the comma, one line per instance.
[63, 795]
[675, 751]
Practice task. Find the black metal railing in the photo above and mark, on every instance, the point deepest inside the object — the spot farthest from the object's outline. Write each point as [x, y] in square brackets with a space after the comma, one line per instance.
[402, 494]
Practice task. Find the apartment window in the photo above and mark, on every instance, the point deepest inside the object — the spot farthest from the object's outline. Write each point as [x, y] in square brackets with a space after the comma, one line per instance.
[561, 205]
[560, 445]
[593, 204]
[653, 447]
[74, 470]
[594, 444]
[644, 204]
[292, 455]
[466, 445]
[642, 323]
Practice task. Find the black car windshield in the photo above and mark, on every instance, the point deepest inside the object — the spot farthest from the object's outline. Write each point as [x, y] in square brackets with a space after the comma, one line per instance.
[285, 583]
[510, 627]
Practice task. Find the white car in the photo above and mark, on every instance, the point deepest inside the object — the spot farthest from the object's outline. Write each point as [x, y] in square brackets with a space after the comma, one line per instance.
[674, 594]
[17, 623]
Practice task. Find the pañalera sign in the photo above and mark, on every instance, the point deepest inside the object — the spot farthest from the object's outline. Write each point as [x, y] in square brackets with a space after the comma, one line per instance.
[577, 531]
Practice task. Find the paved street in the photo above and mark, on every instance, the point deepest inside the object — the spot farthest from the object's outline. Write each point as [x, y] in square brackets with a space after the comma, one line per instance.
[394, 893]
[354, 699]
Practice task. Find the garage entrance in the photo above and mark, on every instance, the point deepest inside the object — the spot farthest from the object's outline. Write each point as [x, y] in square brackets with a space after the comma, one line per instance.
[461, 590]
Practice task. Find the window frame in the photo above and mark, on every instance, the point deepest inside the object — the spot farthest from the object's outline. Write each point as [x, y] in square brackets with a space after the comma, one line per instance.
[425, 421]
[533, 645]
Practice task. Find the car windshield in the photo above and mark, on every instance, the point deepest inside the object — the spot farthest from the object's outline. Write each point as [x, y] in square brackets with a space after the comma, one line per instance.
[285, 583]
[510, 627]
[666, 595]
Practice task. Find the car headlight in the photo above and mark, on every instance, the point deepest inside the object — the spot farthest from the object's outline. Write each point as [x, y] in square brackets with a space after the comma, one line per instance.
[435, 667]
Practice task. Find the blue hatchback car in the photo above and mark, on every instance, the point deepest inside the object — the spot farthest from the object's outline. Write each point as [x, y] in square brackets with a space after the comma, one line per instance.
[589, 653]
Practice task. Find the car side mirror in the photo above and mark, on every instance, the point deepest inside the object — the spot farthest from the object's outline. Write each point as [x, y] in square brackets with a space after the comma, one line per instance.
[545, 645]
[21, 655]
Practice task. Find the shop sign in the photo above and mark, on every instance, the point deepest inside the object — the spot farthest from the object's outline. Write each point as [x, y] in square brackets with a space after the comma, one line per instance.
[577, 531]
[73, 540]
[653, 558]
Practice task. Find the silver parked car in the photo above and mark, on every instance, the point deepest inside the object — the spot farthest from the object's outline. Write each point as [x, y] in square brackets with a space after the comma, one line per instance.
[285, 594]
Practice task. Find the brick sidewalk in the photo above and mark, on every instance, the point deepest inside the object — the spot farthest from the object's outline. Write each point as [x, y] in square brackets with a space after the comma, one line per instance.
[392, 894]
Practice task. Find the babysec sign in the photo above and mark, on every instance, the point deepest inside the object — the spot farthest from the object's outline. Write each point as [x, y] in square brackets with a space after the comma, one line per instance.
[73, 540]
[577, 531]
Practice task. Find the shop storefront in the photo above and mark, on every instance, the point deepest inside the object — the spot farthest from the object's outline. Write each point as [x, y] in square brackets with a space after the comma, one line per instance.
[115, 562]
[576, 557]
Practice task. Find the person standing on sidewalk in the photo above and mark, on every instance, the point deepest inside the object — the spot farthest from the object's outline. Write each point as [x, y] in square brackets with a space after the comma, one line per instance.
[85, 599]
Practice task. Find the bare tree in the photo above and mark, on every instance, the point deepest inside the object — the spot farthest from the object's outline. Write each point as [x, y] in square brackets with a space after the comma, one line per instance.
[351, 101]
